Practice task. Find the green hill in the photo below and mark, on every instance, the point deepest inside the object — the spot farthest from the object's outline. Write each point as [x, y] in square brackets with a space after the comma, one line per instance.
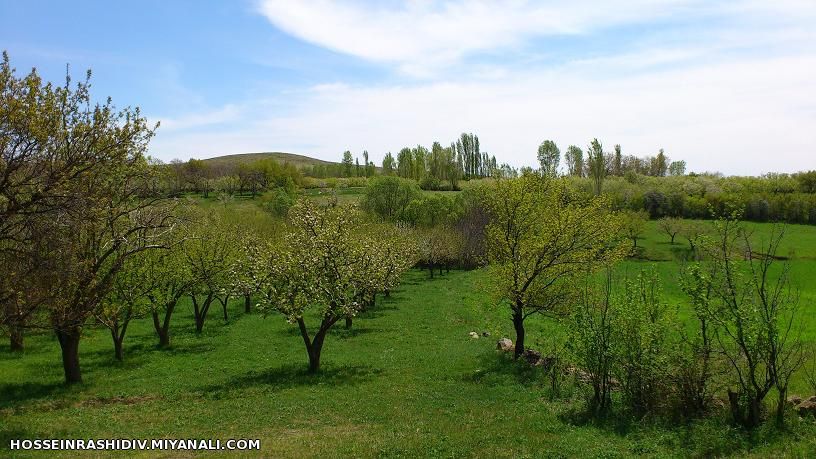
[230, 161]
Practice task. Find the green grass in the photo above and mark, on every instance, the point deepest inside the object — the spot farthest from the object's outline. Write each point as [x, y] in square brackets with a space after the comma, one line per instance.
[406, 381]
[799, 241]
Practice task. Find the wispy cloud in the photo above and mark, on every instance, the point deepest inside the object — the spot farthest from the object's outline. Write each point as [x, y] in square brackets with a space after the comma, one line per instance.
[420, 35]
[222, 115]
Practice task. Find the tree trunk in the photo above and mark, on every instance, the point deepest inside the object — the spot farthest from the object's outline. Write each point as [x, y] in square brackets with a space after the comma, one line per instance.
[224, 307]
[430, 268]
[672, 239]
[16, 336]
[348, 323]
[780, 407]
[518, 324]
[200, 313]
[164, 338]
[317, 347]
[117, 348]
[736, 409]
[162, 331]
[69, 344]
[313, 347]
[247, 303]
[754, 413]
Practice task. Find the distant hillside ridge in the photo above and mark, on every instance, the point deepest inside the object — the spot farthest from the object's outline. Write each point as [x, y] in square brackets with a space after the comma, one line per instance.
[299, 161]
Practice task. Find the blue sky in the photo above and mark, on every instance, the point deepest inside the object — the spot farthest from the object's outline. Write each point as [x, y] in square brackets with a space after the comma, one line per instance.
[727, 86]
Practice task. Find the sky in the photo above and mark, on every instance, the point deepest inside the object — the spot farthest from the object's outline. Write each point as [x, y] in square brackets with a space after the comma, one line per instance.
[727, 86]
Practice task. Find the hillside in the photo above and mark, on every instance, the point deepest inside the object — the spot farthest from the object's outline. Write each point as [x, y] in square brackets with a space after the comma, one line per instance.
[229, 161]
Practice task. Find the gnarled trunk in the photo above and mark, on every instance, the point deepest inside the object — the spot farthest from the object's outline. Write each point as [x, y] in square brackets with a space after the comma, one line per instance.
[69, 344]
[247, 303]
[348, 323]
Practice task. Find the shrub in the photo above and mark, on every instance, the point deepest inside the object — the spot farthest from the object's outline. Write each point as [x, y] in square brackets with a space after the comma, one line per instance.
[641, 343]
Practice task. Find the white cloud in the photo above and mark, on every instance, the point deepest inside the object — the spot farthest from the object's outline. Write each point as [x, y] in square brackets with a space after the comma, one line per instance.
[420, 35]
[199, 119]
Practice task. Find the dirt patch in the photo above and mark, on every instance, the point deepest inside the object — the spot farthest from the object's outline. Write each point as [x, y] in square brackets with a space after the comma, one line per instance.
[117, 400]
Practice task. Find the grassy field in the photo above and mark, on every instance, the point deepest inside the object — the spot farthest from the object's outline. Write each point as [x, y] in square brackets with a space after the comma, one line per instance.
[406, 381]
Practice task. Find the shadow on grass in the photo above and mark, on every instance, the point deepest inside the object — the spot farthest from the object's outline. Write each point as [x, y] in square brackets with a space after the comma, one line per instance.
[9, 434]
[17, 394]
[291, 376]
[496, 367]
[339, 330]
[345, 333]
[34, 344]
[377, 311]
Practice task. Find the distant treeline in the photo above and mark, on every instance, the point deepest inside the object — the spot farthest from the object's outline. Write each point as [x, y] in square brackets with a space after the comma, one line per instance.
[440, 168]
[200, 176]
[773, 197]
[655, 184]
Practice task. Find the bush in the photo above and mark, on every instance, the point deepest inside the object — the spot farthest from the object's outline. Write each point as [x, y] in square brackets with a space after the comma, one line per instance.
[278, 201]
[430, 183]
[641, 342]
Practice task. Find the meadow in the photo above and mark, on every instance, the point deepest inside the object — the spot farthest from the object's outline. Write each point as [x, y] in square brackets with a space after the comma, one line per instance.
[405, 381]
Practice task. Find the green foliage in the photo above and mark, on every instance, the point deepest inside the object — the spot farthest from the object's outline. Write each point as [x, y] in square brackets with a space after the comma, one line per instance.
[278, 201]
[78, 201]
[324, 268]
[432, 210]
[596, 164]
[644, 352]
[634, 224]
[772, 197]
[539, 238]
[389, 197]
[754, 317]
[591, 342]
[389, 165]
[548, 158]
[574, 157]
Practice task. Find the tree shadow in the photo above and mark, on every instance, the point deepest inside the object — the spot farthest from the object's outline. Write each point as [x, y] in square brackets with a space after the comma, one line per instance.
[33, 344]
[377, 311]
[496, 367]
[198, 348]
[15, 395]
[346, 333]
[289, 376]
